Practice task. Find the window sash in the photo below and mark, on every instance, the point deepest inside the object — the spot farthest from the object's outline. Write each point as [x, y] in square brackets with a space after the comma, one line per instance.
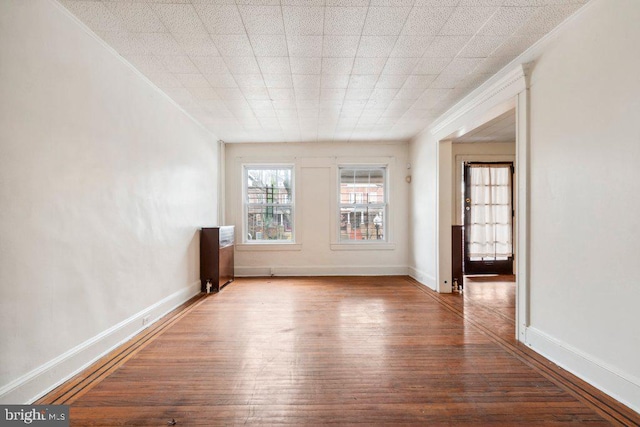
[363, 193]
[362, 205]
[281, 206]
[262, 206]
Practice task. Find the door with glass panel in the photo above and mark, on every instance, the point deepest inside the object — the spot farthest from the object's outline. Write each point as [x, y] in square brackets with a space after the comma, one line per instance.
[488, 218]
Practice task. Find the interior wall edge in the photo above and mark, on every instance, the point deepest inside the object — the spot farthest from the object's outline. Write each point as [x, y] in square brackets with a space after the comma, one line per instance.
[43, 379]
[487, 89]
[106, 46]
[423, 278]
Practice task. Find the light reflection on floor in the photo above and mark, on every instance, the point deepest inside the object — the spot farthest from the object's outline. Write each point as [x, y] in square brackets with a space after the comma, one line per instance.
[491, 301]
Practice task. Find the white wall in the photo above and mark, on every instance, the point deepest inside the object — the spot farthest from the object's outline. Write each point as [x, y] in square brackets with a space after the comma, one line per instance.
[104, 183]
[423, 253]
[317, 251]
[581, 157]
[585, 241]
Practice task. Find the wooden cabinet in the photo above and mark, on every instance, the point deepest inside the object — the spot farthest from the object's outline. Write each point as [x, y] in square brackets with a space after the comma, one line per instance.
[216, 257]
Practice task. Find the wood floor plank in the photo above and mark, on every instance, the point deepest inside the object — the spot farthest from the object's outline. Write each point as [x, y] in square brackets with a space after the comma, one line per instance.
[309, 351]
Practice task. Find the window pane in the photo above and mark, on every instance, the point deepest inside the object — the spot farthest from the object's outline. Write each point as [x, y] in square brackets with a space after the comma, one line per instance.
[269, 186]
[269, 204]
[362, 186]
[376, 177]
[362, 203]
[266, 223]
[362, 223]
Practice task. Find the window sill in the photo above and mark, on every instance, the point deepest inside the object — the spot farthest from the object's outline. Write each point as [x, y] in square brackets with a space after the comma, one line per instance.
[268, 247]
[363, 246]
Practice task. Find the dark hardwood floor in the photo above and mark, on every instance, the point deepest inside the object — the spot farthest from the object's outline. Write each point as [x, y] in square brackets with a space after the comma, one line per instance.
[490, 301]
[340, 350]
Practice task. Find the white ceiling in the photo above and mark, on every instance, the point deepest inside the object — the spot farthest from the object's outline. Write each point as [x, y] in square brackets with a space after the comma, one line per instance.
[499, 129]
[319, 70]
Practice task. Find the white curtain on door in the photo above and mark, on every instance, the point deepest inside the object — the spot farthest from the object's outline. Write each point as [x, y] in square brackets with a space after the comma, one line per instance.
[490, 232]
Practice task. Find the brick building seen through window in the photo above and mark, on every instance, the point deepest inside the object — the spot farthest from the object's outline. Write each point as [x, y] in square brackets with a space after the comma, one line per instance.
[363, 204]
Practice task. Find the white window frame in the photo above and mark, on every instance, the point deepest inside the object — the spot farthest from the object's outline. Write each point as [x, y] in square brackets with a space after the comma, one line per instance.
[373, 243]
[246, 204]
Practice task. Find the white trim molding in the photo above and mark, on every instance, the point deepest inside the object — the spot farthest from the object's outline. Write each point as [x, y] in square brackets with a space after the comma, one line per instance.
[505, 93]
[503, 89]
[522, 208]
[269, 247]
[33, 385]
[363, 246]
[222, 178]
[423, 278]
[601, 375]
[319, 270]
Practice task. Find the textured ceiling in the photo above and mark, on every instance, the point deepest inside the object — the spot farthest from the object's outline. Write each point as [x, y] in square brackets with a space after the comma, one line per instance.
[319, 70]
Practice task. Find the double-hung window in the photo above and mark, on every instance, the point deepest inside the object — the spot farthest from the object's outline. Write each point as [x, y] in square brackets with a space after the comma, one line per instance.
[363, 204]
[268, 204]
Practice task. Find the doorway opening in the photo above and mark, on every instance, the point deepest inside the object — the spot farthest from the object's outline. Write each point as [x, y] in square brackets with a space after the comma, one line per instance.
[483, 219]
[497, 112]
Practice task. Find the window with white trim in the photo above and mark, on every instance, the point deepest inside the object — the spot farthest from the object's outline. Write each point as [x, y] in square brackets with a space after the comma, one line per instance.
[268, 204]
[363, 203]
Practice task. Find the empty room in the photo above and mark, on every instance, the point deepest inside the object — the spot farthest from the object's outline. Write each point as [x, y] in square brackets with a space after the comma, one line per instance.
[377, 212]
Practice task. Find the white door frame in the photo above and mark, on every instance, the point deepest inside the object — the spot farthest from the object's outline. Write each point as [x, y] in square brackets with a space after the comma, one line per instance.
[509, 92]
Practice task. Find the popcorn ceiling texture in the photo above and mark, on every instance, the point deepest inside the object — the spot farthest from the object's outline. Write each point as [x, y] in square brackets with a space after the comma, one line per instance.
[319, 70]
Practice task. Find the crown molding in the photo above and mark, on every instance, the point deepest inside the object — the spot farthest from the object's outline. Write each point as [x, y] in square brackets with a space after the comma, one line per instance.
[523, 64]
[509, 85]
